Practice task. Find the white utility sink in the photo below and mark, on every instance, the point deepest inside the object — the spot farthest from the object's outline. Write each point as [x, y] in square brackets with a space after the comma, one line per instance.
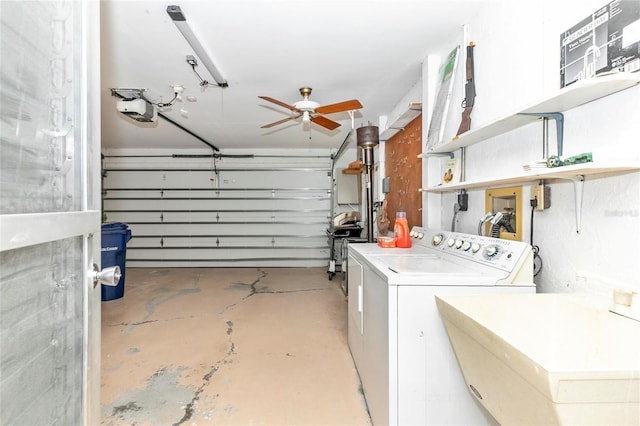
[542, 359]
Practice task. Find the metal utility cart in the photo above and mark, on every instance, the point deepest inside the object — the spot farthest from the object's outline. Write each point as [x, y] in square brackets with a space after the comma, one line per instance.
[343, 226]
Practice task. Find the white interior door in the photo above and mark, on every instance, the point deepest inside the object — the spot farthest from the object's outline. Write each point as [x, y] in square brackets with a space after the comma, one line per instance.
[49, 213]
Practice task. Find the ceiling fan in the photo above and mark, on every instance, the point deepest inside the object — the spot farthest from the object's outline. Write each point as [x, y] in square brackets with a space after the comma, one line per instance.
[311, 111]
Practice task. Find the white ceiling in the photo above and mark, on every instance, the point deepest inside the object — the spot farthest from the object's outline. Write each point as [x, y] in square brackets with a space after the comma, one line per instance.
[370, 50]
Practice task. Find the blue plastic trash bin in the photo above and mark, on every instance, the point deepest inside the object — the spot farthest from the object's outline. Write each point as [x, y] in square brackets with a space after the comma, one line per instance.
[114, 252]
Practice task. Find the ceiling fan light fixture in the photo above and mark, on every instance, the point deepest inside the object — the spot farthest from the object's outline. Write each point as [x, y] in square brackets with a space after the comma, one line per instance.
[306, 107]
[179, 19]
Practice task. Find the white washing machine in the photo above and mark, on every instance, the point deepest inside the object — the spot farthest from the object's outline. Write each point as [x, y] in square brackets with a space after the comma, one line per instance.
[399, 344]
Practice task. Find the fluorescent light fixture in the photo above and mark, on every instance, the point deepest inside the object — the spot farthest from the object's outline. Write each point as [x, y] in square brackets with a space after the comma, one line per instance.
[181, 22]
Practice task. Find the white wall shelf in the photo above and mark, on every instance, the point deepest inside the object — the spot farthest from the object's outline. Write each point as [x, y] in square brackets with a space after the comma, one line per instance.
[577, 94]
[413, 111]
[575, 174]
[571, 173]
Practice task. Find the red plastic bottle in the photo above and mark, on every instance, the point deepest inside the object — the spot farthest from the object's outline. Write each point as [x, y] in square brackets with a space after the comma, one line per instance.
[401, 231]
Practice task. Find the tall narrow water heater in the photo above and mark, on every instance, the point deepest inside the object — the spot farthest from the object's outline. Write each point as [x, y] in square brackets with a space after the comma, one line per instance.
[368, 138]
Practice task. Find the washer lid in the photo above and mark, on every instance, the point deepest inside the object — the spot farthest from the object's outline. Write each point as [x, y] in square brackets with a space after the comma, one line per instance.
[429, 269]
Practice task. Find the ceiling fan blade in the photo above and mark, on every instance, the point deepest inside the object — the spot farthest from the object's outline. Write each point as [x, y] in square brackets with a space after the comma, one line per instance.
[325, 122]
[339, 107]
[277, 102]
[284, 120]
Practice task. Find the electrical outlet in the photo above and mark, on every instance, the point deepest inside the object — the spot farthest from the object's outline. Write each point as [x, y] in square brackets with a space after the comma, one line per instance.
[542, 195]
[463, 201]
[386, 185]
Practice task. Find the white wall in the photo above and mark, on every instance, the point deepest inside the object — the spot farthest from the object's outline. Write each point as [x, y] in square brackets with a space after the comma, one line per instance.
[516, 64]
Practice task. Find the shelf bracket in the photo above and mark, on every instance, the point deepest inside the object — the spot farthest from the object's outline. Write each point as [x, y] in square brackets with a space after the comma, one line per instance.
[578, 188]
[559, 117]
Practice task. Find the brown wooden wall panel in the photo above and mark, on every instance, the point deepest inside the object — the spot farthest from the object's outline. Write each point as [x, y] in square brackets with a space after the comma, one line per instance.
[404, 169]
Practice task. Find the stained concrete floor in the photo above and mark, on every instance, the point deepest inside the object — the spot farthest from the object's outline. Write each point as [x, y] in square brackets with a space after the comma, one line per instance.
[223, 346]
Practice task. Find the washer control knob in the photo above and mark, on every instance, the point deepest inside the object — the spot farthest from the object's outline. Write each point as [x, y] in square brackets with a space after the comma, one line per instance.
[491, 251]
[466, 246]
[451, 242]
[421, 236]
[437, 239]
[459, 243]
[475, 247]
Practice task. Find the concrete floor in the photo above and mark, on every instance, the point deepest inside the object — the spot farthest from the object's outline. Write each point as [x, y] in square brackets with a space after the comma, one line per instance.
[229, 346]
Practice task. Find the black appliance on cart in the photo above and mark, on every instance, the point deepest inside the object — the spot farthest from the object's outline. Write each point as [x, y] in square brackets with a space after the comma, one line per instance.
[344, 228]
